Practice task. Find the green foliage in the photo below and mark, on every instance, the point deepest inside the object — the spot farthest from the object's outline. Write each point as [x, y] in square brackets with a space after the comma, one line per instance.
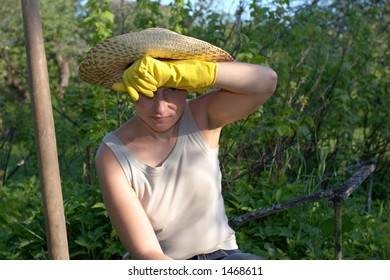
[22, 229]
[148, 13]
[101, 18]
[88, 226]
[330, 110]
[179, 14]
[307, 232]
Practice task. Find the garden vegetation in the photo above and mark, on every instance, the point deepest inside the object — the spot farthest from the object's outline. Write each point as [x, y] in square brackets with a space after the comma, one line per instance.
[330, 111]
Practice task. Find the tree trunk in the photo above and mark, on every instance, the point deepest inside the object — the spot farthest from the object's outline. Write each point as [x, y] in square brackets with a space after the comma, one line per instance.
[63, 63]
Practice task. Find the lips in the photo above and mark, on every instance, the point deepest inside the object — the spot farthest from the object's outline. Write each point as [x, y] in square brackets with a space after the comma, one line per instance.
[159, 118]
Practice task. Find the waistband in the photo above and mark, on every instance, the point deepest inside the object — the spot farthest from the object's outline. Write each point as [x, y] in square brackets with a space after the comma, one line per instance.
[216, 255]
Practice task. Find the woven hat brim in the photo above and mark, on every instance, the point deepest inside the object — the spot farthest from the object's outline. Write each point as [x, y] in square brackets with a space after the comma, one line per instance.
[104, 64]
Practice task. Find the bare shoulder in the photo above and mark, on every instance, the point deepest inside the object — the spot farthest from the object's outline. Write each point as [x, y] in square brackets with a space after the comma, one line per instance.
[107, 166]
[102, 155]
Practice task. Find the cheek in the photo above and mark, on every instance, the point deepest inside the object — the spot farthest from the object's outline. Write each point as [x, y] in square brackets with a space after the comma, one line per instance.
[178, 104]
[141, 107]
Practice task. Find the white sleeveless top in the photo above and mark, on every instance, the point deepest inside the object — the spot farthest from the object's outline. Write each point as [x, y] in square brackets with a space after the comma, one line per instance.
[182, 197]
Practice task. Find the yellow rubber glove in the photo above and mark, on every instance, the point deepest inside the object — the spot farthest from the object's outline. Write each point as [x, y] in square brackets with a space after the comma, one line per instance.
[134, 81]
[193, 75]
[147, 74]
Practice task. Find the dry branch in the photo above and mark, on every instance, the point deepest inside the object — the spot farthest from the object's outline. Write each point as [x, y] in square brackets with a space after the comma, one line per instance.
[341, 192]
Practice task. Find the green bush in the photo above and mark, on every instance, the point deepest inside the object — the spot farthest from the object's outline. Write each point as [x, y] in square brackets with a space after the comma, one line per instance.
[89, 231]
[330, 110]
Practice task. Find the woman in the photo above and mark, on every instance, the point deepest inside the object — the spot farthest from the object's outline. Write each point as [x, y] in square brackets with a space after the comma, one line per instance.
[159, 172]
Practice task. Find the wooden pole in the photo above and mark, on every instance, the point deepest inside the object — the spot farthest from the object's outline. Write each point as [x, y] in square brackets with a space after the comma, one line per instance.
[338, 229]
[44, 132]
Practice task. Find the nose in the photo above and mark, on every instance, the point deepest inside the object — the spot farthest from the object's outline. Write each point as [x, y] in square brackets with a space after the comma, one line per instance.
[160, 103]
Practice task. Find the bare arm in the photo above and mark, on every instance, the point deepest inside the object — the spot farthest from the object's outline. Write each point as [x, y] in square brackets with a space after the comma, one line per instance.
[125, 210]
[244, 88]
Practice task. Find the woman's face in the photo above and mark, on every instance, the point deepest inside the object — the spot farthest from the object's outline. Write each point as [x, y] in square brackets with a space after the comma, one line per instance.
[162, 111]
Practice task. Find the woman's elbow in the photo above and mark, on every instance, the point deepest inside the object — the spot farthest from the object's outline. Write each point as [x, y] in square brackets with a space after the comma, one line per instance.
[271, 80]
[267, 81]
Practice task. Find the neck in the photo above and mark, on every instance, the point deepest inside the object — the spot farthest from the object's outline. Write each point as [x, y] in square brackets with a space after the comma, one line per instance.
[144, 130]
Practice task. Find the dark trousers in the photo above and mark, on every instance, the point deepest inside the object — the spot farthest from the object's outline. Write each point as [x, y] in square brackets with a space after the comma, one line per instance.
[226, 255]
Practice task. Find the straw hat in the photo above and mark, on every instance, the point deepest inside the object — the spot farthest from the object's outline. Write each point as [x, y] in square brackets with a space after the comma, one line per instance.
[104, 64]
